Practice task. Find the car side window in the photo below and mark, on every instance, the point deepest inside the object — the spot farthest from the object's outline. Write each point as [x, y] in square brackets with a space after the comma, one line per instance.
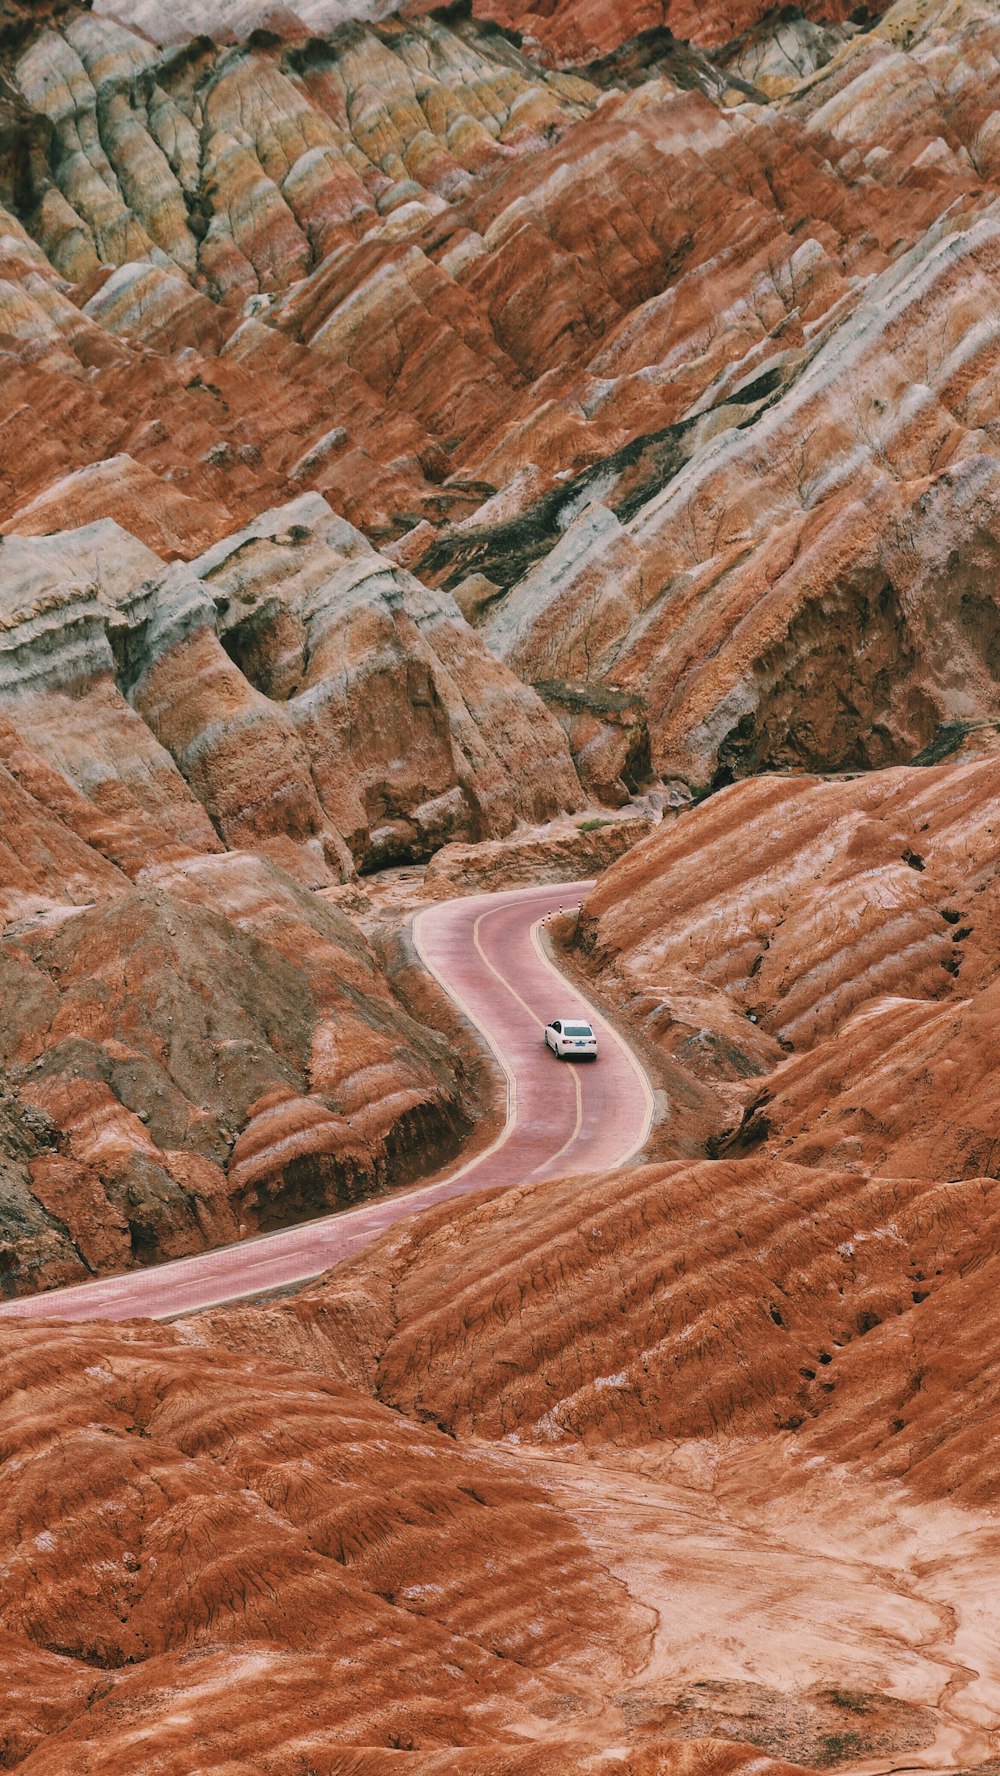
[557, 1026]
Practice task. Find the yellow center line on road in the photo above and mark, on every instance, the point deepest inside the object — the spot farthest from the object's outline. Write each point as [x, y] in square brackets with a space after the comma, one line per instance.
[601, 1023]
[511, 1120]
[578, 1088]
[576, 1128]
[465, 1008]
[189, 1275]
[504, 982]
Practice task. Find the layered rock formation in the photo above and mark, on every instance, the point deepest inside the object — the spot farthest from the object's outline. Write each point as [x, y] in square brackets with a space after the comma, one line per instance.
[185, 752]
[585, 30]
[776, 1347]
[318, 699]
[717, 1299]
[844, 924]
[205, 1054]
[174, 197]
[670, 445]
[209, 1557]
[560, 852]
[580, 30]
[408, 418]
[824, 951]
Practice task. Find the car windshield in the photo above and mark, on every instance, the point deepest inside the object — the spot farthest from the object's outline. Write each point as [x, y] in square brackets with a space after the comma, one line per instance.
[577, 1030]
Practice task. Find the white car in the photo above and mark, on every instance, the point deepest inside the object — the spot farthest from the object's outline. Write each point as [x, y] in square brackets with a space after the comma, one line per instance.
[571, 1037]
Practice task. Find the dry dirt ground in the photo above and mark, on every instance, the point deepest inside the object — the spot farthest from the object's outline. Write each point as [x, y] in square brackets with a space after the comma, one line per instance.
[834, 1622]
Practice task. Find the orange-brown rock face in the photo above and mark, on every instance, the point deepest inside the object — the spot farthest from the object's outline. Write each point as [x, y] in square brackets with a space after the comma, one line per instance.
[203, 1058]
[407, 265]
[413, 422]
[681, 1301]
[318, 700]
[186, 752]
[234, 1564]
[845, 925]
[761, 1387]
[586, 29]
[144, 319]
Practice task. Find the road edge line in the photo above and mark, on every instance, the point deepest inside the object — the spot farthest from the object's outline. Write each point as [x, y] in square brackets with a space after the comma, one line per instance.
[510, 1120]
[28, 1307]
[616, 1036]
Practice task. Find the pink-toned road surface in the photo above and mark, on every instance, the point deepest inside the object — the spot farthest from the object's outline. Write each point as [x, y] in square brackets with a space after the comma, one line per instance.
[562, 1118]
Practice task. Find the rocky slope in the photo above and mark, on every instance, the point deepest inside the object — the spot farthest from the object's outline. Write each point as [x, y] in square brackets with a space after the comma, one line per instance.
[742, 1379]
[186, 752]
[299, 694]
[207, 1558]
[585, 30]
[414, 424]
[828, 951]
[668, 444]
[200, 1057]
[724, 1298]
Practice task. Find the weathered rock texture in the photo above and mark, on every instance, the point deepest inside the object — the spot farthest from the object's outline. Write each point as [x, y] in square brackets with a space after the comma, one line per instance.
[207, 1053]
[583, 30]
[739, 1297]
[832, 945]
[186, 752]
[219, 1560]
[406, 420]
[563, 852]
[160, 205]
[808, 1281]
[574, 30]
[712, 473]
[298, 692]
[717, 473]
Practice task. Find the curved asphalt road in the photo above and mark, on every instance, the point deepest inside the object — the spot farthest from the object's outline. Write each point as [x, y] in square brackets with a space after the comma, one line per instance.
[562, 1119]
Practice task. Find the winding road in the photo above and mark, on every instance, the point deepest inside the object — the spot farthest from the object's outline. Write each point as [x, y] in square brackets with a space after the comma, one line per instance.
[561, 1120]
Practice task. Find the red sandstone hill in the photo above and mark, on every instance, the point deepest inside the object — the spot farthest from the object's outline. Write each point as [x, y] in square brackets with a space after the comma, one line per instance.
[582, 30]
[762, 1388]
[224, 1058]
[411, 423]
[831, 945]
[186, 753]
[672, 446]
[740, 1297]
[219, 1562]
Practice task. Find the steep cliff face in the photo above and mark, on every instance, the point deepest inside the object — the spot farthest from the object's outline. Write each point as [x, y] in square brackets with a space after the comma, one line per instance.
[290, 690]
[206, 1054]
[210, 705]
[174, 195]
[832, 945]
[712, 479]
[186, 752]
[675, 447]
